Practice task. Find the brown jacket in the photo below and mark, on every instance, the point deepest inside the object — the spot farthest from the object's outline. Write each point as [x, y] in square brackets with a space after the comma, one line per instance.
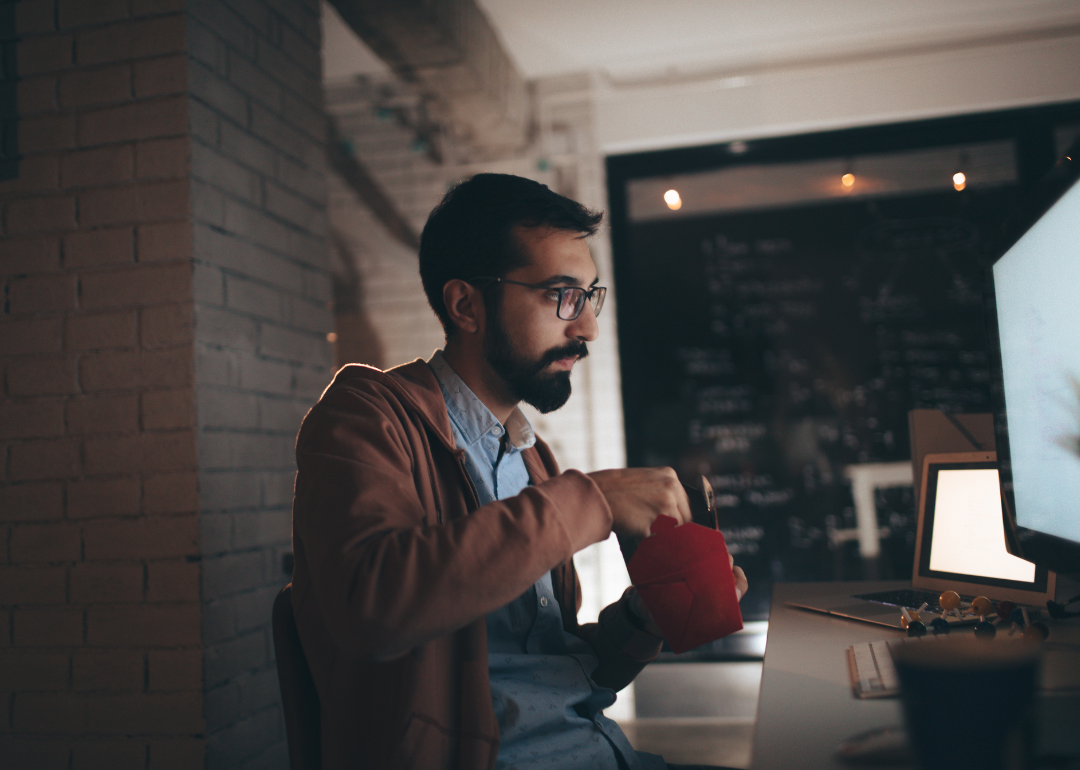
[397, 565]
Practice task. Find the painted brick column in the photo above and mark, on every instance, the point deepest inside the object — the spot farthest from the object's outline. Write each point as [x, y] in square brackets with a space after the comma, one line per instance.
[262, 293]
[163, 268]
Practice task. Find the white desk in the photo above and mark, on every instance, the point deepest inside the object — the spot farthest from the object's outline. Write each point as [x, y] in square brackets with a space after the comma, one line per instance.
[806, 706]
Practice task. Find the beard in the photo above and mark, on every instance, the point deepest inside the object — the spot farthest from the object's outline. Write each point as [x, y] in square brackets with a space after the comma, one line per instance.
[524, 378]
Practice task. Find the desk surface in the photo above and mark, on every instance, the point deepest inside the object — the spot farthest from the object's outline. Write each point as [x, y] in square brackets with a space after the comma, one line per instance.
[806, 706]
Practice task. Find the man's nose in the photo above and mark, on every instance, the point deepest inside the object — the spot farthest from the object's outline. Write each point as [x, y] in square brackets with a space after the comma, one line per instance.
[584, 327]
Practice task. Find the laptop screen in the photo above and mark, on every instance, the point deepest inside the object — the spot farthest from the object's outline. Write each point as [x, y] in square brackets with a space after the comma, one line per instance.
[963, 531]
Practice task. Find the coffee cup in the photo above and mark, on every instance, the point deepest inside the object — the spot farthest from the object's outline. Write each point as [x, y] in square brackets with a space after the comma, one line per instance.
[969, 702]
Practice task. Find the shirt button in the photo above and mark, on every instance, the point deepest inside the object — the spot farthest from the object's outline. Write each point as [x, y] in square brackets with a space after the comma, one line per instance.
[543, 601]
[497, 430]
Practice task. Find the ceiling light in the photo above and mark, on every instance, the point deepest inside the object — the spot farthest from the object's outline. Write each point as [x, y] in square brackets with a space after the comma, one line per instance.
[672, 199]
[959, 181]
[848, 179]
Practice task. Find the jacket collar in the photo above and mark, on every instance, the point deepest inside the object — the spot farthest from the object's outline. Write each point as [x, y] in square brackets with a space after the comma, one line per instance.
[468, 415]
[416, 384]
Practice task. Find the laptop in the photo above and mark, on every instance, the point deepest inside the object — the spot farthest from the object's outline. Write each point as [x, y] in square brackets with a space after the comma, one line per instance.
[959, 546]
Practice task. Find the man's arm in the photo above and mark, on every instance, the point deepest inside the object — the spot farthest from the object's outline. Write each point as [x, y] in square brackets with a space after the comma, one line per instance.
[621, 642]
[386, 576]
[626, 637]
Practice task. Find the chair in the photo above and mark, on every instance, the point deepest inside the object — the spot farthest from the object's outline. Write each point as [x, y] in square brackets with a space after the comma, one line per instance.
[299, 697]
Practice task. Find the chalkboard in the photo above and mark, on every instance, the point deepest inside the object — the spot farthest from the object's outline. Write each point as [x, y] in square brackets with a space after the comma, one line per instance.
[769, 349]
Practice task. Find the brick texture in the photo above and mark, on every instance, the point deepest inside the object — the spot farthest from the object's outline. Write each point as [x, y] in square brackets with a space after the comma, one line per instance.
[98, 505]
[259, 224]
[165, 275]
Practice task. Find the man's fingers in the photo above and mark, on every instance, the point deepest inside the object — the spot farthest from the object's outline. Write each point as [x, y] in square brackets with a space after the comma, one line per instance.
[682, 502]
[741, 583]
[638, 495]
[678, 506]
[683, 506]
[731, 562]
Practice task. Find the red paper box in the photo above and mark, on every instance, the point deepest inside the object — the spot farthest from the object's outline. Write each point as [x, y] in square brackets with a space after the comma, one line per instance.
[684, 577]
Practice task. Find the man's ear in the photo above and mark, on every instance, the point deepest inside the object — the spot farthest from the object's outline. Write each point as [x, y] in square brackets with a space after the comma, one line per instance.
[464, 304]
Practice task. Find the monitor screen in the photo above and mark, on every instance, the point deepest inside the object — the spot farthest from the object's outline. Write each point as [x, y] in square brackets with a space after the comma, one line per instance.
[1037, 294]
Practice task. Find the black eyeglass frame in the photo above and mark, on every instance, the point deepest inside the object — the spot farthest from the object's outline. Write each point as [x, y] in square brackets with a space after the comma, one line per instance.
[594, 295]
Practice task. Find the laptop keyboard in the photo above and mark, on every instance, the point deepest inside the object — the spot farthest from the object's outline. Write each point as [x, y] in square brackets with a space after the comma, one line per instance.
[903, 597]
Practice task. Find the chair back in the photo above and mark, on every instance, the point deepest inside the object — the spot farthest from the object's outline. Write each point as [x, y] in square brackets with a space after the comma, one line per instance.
[299, 697]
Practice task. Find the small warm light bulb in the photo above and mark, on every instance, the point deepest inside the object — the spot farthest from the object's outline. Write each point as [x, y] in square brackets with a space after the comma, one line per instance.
[672, 199]
[848, 180]
[959, 181]
[331, 337]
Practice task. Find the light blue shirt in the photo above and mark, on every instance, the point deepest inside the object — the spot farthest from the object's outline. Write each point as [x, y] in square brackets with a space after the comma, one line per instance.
[548, 707]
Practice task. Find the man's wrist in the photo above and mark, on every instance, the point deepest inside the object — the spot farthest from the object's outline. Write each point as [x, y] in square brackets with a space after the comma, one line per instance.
[639, 614]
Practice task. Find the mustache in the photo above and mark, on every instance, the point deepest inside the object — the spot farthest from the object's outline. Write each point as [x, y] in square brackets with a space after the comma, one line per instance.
[573, 349]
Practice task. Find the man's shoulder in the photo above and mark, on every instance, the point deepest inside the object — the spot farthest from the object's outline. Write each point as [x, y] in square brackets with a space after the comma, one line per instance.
[405, 392]
[412, 384]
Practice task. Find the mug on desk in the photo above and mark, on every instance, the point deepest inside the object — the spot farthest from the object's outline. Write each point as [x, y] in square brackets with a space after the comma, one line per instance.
[970, 702]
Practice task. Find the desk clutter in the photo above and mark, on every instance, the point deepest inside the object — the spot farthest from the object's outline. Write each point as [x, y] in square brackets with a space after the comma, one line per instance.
[871, 664]
[981, 612]
[807, 705]
[873, 671]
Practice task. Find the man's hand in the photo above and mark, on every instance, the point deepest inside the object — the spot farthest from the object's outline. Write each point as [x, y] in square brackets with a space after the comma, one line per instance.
[741, 583]
[638, 495]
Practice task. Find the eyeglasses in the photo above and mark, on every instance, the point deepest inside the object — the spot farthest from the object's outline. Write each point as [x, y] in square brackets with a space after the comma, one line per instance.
[571, 298]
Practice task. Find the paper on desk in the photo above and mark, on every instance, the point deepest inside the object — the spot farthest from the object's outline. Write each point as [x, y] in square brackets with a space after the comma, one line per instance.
[684, 577]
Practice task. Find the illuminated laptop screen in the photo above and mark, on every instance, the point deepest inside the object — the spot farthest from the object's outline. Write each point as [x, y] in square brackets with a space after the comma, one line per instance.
[968, 536]
[963, 530]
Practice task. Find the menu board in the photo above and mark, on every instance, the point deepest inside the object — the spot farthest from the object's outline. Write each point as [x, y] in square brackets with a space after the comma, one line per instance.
[769, 349]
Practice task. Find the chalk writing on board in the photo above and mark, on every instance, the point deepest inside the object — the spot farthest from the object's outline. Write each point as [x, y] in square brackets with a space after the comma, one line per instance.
[791, 343]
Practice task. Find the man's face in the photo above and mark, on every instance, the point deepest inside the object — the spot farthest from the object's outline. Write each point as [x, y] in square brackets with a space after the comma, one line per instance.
[526, 344]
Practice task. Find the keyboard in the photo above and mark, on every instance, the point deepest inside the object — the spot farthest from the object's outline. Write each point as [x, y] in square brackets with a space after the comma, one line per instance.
[870, 664]
[873, 674]
[904, 597]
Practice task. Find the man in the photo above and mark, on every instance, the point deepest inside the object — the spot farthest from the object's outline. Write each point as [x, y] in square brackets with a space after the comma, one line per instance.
[434, 589]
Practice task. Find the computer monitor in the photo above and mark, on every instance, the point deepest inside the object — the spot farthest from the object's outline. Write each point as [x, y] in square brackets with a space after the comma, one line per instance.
[1035, 363]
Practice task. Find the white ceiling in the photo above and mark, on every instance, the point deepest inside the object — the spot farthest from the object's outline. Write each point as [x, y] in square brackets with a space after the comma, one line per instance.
[669, 73]
[632, 39]
[649, 38]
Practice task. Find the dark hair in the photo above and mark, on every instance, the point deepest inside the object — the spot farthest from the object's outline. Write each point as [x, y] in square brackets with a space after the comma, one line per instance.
[470, 233]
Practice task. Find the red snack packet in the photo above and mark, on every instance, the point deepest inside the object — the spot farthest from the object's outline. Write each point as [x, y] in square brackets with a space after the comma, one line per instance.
[682, 575]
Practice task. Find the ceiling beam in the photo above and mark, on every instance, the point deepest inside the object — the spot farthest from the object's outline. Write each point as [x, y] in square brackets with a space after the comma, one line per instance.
[448, 51]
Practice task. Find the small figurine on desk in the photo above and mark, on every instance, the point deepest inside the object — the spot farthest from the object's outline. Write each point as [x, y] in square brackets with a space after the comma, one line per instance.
[982, 607]
[912, 621]
[1005, 609]
[950, 605]
[940, 626]
[1031, 631]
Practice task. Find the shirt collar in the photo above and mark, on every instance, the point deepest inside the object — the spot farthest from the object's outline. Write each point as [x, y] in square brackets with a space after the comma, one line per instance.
[469, 415]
